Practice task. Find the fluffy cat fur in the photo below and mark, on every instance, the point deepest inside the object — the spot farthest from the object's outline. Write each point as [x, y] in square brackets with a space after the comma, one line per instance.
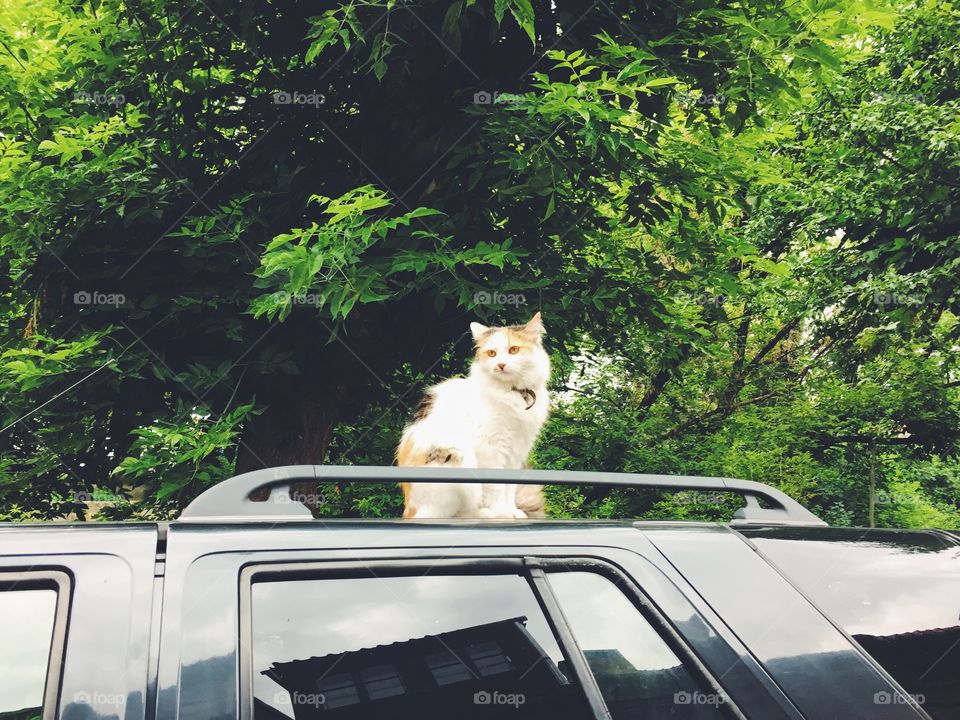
[488, 419]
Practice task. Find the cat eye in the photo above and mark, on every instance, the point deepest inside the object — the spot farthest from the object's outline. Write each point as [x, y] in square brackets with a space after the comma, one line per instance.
[513, 350]
[491, 353]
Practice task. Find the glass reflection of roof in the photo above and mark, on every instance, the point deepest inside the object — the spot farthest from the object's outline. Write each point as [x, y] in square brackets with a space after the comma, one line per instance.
[908, 541]
[875, 582]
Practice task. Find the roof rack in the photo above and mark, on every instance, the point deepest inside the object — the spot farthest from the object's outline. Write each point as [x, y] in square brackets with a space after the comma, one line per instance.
[230, 499]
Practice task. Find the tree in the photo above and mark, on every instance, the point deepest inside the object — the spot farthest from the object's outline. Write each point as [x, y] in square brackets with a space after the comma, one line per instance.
[238, 238]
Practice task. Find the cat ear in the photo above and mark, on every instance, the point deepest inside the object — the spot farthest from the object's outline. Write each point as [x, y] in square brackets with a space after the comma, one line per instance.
[534, 326]
[478, 330]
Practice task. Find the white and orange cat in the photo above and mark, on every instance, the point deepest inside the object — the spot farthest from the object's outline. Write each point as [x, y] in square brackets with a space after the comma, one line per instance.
[488, 419]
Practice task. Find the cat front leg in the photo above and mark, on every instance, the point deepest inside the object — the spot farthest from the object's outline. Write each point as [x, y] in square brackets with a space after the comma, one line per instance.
[510, 501]
[432, 500]
[500, 501]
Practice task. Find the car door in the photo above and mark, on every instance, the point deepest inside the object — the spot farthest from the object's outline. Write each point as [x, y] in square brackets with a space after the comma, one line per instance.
[823, 671]
[894, 593]
[75, 618]
[353, 620]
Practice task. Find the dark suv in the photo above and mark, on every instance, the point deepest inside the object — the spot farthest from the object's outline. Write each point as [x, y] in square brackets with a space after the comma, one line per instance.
[253, 609]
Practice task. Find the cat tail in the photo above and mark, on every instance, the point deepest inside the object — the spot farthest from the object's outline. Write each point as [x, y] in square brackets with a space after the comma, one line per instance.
[530, 499]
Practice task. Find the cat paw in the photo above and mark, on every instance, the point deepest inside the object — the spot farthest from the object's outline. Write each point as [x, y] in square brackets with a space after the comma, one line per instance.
[501, 513]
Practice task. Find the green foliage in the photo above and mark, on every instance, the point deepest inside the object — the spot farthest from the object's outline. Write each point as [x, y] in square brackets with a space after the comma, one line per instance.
[184, 457]
[796, 441]
[353, 258]
[238, 237]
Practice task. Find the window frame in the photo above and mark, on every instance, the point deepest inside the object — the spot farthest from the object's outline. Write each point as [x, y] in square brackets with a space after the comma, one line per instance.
[534, 569]
[60, 582]
[652, 614]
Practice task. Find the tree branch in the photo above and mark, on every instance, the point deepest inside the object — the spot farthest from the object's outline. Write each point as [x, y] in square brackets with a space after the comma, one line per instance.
[771, 344]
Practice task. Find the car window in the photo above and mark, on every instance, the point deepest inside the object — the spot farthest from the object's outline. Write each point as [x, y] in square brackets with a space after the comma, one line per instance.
[896, 593]
[26, 628]
[433, 646]
[636, 671]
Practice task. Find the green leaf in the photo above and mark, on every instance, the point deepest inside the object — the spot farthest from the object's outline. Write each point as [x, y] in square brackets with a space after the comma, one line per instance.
[660, 82]
[522, 12]
[820, 53]
[634, 69]
[551, 207]
[450, 29]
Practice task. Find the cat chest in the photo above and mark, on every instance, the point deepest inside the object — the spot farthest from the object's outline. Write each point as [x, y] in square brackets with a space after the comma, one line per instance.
[510, 423]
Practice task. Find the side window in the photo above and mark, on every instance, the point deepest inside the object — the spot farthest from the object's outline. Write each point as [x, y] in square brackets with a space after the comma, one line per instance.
[635, 669]
[423, 646]
[27, 621]
[896, 592]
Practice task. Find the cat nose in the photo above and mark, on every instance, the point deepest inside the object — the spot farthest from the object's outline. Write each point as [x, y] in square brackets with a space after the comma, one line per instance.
[501, 365]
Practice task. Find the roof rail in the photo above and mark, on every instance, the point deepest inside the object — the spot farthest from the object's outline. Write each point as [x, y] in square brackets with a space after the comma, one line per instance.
[230, 499]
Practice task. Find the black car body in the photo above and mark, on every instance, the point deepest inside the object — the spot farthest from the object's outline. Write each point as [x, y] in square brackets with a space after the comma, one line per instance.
[246, 610]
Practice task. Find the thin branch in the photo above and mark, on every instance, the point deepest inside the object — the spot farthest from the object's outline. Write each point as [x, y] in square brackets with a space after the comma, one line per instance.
[771, 344]
[726, 409]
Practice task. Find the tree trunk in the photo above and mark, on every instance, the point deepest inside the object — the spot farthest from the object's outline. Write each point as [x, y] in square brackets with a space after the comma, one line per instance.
[337, 379]
[295, 429]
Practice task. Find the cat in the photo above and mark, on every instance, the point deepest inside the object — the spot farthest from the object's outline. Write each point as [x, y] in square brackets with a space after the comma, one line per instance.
[488, 419]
